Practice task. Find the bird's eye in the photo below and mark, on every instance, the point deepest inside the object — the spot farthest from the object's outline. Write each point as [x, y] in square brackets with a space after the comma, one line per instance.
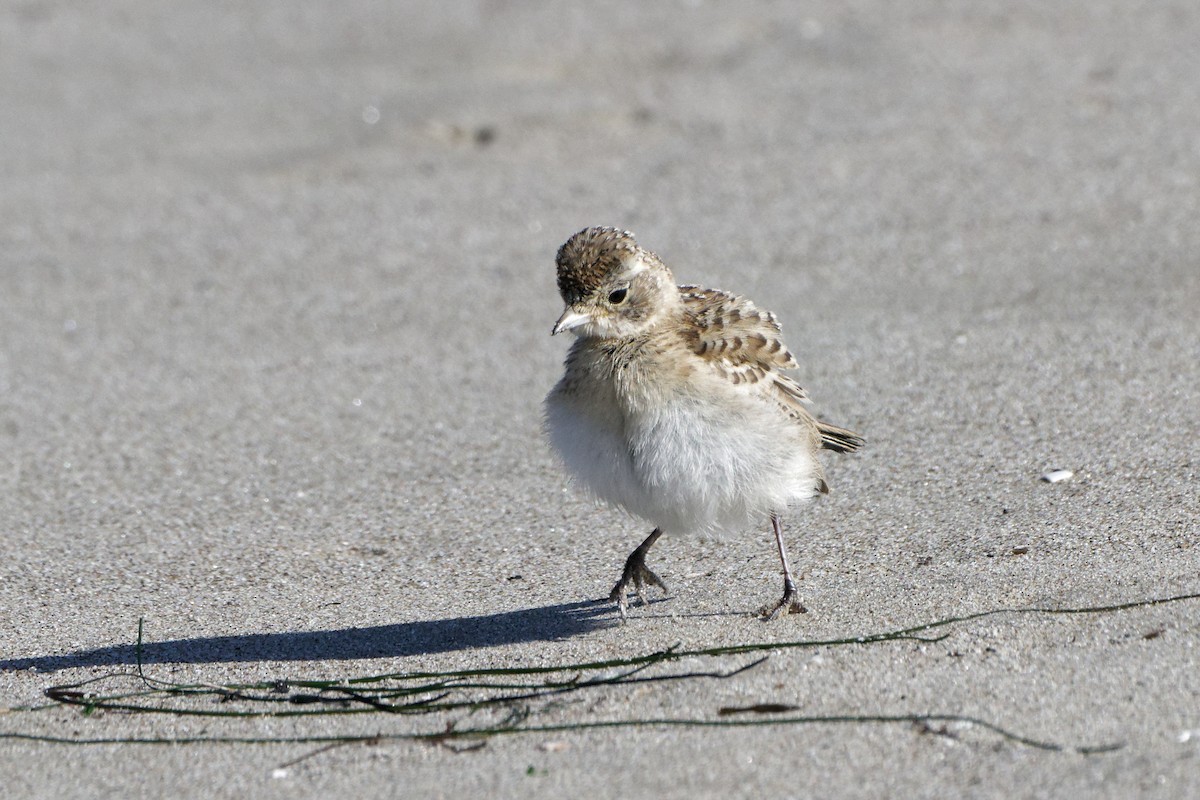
[617, 296]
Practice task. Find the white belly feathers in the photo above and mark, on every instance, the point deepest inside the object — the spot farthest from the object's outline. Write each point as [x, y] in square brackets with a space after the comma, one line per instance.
[679, 463]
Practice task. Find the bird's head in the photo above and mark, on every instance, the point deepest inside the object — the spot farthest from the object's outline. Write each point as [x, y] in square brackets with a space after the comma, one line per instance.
[613, 288]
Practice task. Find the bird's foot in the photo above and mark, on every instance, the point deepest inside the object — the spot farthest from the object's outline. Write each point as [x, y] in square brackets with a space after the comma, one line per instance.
[640, 576]
[789, 601]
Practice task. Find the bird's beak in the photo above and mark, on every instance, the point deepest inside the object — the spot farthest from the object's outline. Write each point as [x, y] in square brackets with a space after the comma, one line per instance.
[570, 319]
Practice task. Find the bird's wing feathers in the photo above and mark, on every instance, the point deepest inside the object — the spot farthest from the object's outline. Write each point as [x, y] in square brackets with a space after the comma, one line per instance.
[731, 328]
[744, 344]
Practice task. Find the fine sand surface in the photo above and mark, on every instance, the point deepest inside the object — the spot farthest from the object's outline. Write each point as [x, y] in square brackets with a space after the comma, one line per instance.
[276, 287]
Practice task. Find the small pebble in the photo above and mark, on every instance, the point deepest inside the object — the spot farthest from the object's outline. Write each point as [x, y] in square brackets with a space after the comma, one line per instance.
[1057, 475]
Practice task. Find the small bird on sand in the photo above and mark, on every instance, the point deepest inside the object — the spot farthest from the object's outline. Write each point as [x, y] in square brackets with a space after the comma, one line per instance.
[674, 407]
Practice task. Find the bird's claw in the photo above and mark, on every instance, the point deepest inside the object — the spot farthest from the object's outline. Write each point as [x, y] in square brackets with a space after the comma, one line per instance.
[790, 601]
[636, 573]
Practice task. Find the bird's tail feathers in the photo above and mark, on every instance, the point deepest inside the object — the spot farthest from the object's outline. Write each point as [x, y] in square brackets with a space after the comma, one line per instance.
[839, 440]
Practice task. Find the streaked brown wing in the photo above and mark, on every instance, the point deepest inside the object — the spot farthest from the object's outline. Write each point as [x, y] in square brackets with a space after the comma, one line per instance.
[732, 328]
[745, 344]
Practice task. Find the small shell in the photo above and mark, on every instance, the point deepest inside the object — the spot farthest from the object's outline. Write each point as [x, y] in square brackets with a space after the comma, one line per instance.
[1057, 475]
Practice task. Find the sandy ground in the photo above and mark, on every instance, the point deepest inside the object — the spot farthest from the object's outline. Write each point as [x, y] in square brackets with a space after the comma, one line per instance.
[276, 284]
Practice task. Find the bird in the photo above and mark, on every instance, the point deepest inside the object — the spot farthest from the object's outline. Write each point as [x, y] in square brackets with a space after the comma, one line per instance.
[674, 405]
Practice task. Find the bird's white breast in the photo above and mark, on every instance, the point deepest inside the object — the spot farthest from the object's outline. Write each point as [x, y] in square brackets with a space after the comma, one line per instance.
[686, 458]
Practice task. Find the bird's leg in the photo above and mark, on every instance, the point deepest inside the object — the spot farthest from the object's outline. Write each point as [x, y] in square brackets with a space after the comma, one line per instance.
[789, 600]
[637, 573]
